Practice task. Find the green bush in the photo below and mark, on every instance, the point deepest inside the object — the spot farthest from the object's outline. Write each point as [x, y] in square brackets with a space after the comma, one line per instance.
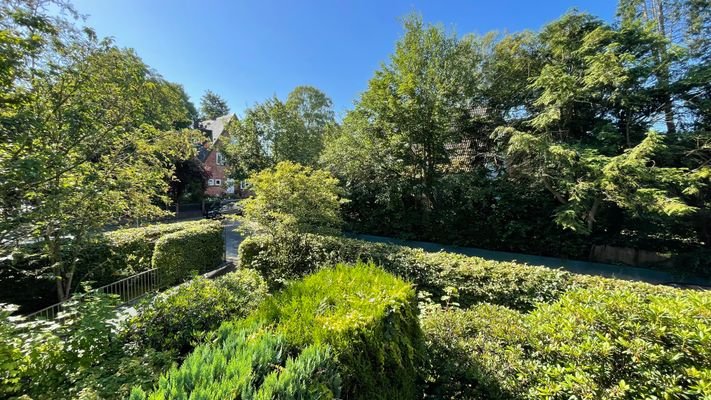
[248, 364]
[198, 248]
[590, 344]
[514, 285]
[175, 319]
[80, 358]
[364, 317]
[105, 259]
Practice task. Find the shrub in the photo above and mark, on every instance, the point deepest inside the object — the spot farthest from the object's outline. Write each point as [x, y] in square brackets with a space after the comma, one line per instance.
[196, 249]
[590, 344]
[105, 259]
[292, 198]
[81, 358]
[249, 365]
[180, 316]
[363, 316]
[517, 286]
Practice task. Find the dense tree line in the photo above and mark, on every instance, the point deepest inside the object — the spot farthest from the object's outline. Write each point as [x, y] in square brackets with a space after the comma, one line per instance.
[587, 132]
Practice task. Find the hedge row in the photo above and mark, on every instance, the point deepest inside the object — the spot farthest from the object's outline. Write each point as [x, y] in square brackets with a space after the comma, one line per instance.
[108, 258]
[197, 248]
[590, 344]
[128, 251]
[178, 317]
[517, 286]
[344, 332]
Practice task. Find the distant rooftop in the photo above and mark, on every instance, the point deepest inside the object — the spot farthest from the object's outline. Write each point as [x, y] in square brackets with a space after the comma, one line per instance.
[213, 128]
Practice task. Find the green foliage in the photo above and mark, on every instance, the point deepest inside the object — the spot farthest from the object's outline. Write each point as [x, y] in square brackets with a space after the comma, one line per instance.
[174, 320]
[131, 250]
[10, 353]
[517, 286]
[292, 198]
[593, 344]
[105, 259]
[80, 358]
[463, 360]
[582, 179]
[574, 104]
[249, 365]
[276, 131]
[80, 148]
[212, 106]
[358, 324]
[198, 248]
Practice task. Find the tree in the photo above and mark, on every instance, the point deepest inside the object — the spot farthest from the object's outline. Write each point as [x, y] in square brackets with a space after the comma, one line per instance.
[213, 106]
[418, 103]
[190, 178]
[583, 180]
[291, 198]
[682, 53]
[276, 131]
[80, 148]
[584, 142]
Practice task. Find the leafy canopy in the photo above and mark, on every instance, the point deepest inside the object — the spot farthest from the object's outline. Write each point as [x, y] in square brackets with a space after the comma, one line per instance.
[293, 198]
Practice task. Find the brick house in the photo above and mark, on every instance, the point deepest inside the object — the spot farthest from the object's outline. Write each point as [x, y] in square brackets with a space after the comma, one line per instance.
[214, 162]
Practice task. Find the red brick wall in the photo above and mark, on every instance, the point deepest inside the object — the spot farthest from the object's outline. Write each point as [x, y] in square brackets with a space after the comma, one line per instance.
[215, 171]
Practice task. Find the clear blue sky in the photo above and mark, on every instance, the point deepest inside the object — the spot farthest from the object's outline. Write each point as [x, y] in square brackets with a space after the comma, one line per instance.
[247, 51]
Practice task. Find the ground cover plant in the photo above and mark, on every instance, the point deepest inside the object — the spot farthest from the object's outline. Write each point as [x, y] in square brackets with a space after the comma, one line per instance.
[361, 318]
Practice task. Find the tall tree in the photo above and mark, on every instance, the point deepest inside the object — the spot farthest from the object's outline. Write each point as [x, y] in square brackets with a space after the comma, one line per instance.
[682, 53]
[79, 146]
[213, 106]
[414, 106]
[276, 131]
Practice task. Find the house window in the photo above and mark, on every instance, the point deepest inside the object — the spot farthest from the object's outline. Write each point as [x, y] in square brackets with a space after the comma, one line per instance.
[243, 185]
[218, 182]
[220, 159]
[210, 182]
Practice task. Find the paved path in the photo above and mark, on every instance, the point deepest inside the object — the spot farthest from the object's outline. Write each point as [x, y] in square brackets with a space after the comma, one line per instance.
[580, 267]
[232, 239]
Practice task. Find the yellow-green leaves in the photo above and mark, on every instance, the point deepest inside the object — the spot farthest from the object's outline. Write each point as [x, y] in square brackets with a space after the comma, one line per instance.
[293, 198]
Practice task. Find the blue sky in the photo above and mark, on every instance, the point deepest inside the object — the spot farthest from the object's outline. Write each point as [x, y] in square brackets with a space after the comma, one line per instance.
[247, 51]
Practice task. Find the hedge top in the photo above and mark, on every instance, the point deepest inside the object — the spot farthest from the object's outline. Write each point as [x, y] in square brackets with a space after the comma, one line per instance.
[153, 232]
[518, 286]
[334, 302]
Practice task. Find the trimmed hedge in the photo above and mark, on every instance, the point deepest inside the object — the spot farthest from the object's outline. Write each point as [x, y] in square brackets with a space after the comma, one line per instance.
[177, 318]
[108, 258]
[131, 250]
[518, 286]
[198, 248]
[353, 328]
[590, 344]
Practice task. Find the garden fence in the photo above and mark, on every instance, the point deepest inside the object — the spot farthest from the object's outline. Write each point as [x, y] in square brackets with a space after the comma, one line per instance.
[127, 290]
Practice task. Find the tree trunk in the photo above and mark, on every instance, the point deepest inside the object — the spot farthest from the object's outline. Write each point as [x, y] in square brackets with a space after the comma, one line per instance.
[664, 73]
[591, 214]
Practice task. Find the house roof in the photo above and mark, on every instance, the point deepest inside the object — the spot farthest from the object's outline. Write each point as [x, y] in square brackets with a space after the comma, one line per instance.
[213, 128]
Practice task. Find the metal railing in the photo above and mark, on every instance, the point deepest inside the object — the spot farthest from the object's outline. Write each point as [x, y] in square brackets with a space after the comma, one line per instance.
[127, 289]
